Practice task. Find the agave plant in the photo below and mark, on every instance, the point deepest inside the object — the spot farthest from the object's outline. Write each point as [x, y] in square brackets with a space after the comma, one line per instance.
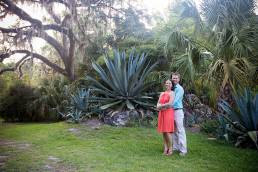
[243, 122]
[121, 84]
[80, 106]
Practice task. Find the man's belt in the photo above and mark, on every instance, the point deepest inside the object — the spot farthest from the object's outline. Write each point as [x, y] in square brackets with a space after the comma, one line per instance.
[178, 108]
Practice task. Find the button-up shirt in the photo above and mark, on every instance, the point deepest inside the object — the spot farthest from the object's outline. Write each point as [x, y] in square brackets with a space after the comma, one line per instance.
[178, 100]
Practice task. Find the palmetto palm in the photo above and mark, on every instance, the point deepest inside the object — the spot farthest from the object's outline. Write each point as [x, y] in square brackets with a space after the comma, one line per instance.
[232, 32]
[53, 96]
[122, 83]
[235, 35]
[187, 56]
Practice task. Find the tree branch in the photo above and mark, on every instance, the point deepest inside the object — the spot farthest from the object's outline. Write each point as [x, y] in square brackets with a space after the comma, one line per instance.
[57, 1]
[61, 51]
[49, 8]
[20, 67]
[15, 66]
[56, 28]
[43, 27]
[41, 34]
[11, 7]
[4, 56]
[35, 55]
[3, 14]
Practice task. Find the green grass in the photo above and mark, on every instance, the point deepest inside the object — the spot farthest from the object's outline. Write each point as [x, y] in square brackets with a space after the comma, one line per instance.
[115, 149]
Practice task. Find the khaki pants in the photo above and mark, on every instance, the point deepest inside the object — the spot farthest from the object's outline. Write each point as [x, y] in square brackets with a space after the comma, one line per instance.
[179, 136]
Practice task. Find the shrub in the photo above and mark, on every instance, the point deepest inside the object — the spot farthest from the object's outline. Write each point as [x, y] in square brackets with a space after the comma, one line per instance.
[242, 121]
[15, 102]
[79, 106]
[210, 127]
[23, 103]
[191, 119]
[53, 99]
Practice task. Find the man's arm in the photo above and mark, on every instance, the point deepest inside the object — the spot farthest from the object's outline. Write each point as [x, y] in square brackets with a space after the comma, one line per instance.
[179, 97]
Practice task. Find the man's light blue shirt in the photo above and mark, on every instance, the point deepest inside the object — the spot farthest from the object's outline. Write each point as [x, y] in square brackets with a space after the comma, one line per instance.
[178, 100]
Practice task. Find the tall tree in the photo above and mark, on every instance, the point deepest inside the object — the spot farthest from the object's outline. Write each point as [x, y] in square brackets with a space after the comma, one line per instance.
[67, 24]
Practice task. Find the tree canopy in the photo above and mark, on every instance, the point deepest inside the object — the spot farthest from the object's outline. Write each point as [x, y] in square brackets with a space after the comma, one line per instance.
[73, 26]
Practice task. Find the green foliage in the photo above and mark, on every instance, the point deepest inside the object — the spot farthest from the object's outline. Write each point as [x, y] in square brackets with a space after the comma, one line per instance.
[178, 38]
[6, 80]
[210, 127]
[243, 122]
[53, 99]
[14, 104]
[122, 84]
[222, 51]
[187, 10]
[222, 128]
[79, 106]
[154, 53]
[206, 91]
[227, 14]
[234, 34]
[191, 120]
[130, 27]
[34, 104]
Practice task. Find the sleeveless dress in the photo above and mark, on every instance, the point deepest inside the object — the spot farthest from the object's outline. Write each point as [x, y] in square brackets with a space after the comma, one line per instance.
[166, 116]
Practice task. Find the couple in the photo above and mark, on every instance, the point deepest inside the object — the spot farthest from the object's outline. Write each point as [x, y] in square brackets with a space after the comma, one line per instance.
[170, 106]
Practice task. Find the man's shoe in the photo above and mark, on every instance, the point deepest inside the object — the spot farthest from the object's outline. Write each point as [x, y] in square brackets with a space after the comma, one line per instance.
[182, 154]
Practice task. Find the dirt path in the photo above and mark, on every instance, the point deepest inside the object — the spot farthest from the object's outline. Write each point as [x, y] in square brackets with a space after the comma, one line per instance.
[53, 164]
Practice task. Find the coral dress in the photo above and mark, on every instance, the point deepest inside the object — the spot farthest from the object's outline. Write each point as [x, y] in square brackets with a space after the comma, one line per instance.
[166, 116]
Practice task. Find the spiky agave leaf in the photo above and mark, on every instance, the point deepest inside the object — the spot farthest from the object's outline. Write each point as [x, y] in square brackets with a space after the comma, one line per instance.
[244, 120]
[122, 83]
[81, 105]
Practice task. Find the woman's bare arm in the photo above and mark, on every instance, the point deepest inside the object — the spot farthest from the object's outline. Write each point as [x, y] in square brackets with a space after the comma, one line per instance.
[158, 104]
[171, 101]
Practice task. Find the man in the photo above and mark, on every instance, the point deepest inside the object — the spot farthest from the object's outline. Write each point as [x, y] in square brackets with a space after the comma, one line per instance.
[179, 136]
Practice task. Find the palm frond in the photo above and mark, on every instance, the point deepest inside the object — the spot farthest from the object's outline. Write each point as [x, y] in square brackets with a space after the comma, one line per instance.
[190, 10]
[227, 14]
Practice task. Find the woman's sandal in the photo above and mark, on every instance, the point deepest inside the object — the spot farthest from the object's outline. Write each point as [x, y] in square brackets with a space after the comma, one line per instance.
[169, 152]
[165, 152]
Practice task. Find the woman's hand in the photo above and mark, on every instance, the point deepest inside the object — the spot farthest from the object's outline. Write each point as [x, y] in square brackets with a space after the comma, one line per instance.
[159, 106]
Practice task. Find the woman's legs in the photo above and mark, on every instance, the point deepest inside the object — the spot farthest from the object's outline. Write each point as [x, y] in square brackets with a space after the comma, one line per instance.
[165, 143]
[169, 143]
[167, 138]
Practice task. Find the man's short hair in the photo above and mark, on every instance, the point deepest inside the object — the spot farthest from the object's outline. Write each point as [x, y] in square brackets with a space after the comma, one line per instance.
[175, 73]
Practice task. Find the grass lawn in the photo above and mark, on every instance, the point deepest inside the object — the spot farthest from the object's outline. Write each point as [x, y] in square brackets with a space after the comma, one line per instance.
[53, 147]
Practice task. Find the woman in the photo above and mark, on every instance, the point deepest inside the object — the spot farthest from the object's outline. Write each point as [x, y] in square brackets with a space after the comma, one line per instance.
[166, 116]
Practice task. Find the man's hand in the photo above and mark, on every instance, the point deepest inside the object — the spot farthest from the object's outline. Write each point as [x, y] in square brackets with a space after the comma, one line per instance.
[167, 106]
